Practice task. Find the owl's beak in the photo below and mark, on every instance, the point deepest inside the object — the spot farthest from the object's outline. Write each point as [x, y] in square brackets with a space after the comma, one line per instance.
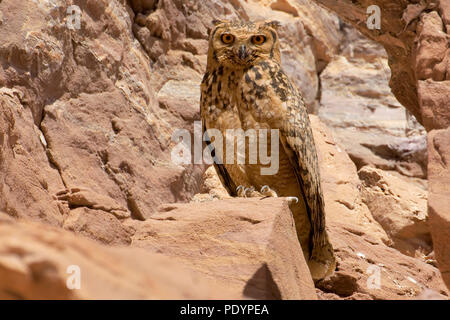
[242, 52]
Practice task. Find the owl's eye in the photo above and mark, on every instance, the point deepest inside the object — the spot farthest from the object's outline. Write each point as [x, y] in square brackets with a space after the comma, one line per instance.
[227, 38]
[258, 40]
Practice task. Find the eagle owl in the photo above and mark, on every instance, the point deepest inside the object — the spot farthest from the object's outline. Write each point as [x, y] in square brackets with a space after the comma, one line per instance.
[245, 88]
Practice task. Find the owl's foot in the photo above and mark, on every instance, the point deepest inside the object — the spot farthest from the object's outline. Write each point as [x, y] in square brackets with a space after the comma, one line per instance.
[247, 192]
[266, 191]
[240, 191]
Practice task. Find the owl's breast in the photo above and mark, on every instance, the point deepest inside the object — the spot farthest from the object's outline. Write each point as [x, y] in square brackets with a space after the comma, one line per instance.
[219, 103]
[265, 93]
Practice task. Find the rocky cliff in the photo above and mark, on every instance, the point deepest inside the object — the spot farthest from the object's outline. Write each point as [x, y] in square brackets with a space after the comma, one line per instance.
[86, 178]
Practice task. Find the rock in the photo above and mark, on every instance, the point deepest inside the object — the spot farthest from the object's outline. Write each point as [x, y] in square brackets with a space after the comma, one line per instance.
[428, 294]
[87, 198]
[321, 27]
[341, 188]
[362, 246]
[38, 262]
[103, 157]
[103, 71]
[181, 97]
[421, 37]
[27, 176]
[418, 57]
[98, 225]
[366, 94]
[444, 10]
[134, 68]
[246, 245]
[400, 208]
[87, 116]
[432, 47]
[357, 103]
[433, 97]
[438, 198]
[371, 270]
[100, 71]
[212, 188]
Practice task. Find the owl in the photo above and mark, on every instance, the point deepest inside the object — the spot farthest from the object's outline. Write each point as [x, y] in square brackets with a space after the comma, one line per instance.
[244, 88]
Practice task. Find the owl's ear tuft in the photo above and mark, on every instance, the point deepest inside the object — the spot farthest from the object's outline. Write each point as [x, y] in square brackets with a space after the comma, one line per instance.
[273, 24]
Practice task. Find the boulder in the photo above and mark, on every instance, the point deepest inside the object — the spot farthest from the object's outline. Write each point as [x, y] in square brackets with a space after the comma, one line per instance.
[249, 246]
[28, 179]
[438, 198]
[417, 47]
[41, 262]
[400, 208]
[341, 187]
[367, 120]
[368, 267]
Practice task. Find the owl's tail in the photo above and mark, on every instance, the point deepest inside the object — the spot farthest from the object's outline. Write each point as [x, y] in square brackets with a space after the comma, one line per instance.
[314, 241]
[322, 261]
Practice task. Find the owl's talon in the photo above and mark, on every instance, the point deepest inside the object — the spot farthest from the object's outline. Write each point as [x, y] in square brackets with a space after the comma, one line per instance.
[248, 190]
[267, 192]
[240, 191]
[292, 199]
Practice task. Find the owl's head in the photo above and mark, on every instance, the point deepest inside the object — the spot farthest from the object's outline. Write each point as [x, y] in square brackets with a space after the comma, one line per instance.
[240, 45]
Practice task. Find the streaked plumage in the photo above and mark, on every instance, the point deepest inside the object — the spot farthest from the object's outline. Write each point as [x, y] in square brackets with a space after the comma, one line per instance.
[244, 87]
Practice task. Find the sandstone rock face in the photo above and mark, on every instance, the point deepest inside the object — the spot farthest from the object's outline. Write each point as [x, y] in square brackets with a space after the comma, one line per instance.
[67, 77]
[418, 52]
[371, 264]
[86, 120]
[135, 67]
[97, 224]
[434, 102]
[400, 208]
[416, 44]
[211, 188]
[357, 103]
[439, 200]
[368, 266]
[40, 262]
[341, 187]
[247, 245]
[27, 178]
[368, 270]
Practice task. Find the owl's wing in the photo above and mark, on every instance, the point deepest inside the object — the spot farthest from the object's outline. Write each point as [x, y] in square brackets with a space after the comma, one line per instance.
[220, 168]
[297, 140]
[222, 172]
